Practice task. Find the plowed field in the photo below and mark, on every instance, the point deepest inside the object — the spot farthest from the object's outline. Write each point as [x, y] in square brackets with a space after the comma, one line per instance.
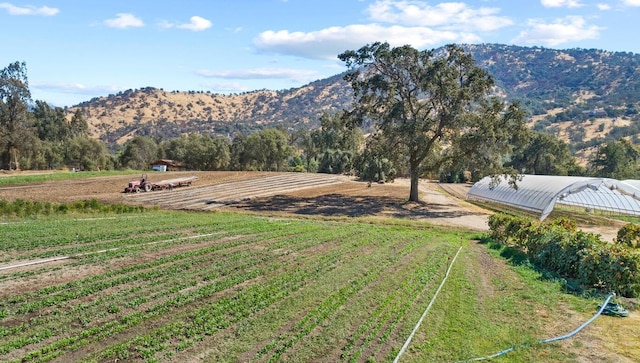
[288, 193]
[291, 193]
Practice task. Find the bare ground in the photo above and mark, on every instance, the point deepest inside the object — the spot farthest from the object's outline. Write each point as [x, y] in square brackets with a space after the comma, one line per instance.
[316, 194]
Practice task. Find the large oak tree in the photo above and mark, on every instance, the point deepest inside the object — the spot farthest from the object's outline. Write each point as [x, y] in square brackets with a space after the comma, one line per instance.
[434, 108]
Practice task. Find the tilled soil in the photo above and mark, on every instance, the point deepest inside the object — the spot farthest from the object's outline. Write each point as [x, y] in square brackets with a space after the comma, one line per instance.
[295, 193]
[289, 193]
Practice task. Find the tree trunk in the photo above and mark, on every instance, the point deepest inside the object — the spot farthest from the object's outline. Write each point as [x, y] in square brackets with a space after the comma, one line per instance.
[413, 194]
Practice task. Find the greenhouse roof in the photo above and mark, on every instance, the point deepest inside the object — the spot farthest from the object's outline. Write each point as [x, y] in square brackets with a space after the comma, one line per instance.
[540, 193]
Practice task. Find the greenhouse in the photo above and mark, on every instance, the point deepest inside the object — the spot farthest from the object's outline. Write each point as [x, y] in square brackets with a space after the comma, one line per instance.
[541, 193]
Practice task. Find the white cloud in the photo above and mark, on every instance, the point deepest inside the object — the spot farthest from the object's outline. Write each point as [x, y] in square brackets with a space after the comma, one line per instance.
[196, 24]
[569, 29]
[449, 15]
[262, 73]
[227, 87]
[398, 22]
[327, 43]
[561, 3]
[29, 10]
[631, 2]
[124, 20]
[604, 7]
[74, 88]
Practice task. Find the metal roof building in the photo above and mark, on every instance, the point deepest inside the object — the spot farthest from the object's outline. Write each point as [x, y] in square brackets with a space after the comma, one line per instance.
[540, 193]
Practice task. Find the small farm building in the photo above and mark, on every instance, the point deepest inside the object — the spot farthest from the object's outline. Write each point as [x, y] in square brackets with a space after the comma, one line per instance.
[167, 165]
[541, 193]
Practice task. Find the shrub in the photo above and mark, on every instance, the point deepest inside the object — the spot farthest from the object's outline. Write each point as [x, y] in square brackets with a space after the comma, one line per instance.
[629, 235]
[25, 208]
[566, 223]
[558, 247]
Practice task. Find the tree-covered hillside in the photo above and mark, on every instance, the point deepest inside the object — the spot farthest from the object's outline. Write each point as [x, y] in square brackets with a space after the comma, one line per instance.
[166, 114]
[573, 78]
[583, 96]
[580, 104]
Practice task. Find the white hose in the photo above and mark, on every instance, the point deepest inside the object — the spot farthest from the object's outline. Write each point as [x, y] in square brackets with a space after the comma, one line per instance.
[548, 340]
[406, 344]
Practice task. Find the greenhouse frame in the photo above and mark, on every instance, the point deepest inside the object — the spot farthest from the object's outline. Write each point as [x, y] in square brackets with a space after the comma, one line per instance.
[541, 193]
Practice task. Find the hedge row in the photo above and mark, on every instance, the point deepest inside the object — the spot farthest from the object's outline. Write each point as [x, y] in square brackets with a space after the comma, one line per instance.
[558, 247]
[28, 208]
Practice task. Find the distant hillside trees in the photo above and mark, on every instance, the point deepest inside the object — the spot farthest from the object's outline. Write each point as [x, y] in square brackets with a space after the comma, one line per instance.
[544, 154]
[616, 159]
[61, 140]
[432, 109]
[265, 150]
[84, 153]
[373, 164]
[50, 123]
[38, 136]
[199, 152]
[333, 147]
[139, 153]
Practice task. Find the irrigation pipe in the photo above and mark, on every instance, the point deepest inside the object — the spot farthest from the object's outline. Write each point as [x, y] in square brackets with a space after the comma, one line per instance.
[406, 344]
[34, 262]
[548, 340]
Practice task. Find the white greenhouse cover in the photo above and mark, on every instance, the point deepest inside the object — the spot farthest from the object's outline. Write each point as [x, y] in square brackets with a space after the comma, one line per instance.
[540, 193]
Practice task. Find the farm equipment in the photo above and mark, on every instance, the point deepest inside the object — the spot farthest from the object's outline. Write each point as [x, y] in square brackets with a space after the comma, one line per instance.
[143, 184]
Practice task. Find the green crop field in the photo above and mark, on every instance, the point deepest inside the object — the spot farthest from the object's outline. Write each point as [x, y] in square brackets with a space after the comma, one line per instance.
[179, 286]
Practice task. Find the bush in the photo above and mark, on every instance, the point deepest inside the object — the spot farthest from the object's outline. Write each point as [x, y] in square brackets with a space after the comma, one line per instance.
[629, 235]
[566, 223]
[25, 208]
[558, 247]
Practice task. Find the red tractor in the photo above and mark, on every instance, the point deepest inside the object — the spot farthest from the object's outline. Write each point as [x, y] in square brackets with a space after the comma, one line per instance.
[136, 186]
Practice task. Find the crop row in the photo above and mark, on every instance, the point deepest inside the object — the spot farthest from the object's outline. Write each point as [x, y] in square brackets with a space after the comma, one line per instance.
[333, 302]
[160, 294]
[382, 321]
[258, 295]
[66, 236]
[150, 275]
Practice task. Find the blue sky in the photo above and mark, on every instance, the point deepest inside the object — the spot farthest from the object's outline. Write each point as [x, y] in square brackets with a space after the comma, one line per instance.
[76, 50]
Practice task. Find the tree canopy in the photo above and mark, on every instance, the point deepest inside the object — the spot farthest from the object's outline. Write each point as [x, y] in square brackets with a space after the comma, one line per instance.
[544, 154]
[266, 150]
[616, 159]
[432, 108]
[14, 120]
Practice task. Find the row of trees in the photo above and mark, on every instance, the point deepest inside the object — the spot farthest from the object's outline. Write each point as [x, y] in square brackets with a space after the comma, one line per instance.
[37, 136]
[430, 113]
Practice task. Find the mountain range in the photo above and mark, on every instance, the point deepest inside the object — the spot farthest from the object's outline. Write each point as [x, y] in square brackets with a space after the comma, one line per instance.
[584, 96]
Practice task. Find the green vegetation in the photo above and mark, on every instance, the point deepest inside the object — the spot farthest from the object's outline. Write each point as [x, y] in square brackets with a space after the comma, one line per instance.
[228, 287]
[150, 285]
[616, 159]
[13, 179]
[432, 109]
[582, 259]
[544, 154]
[29, 208]
[305, 130]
